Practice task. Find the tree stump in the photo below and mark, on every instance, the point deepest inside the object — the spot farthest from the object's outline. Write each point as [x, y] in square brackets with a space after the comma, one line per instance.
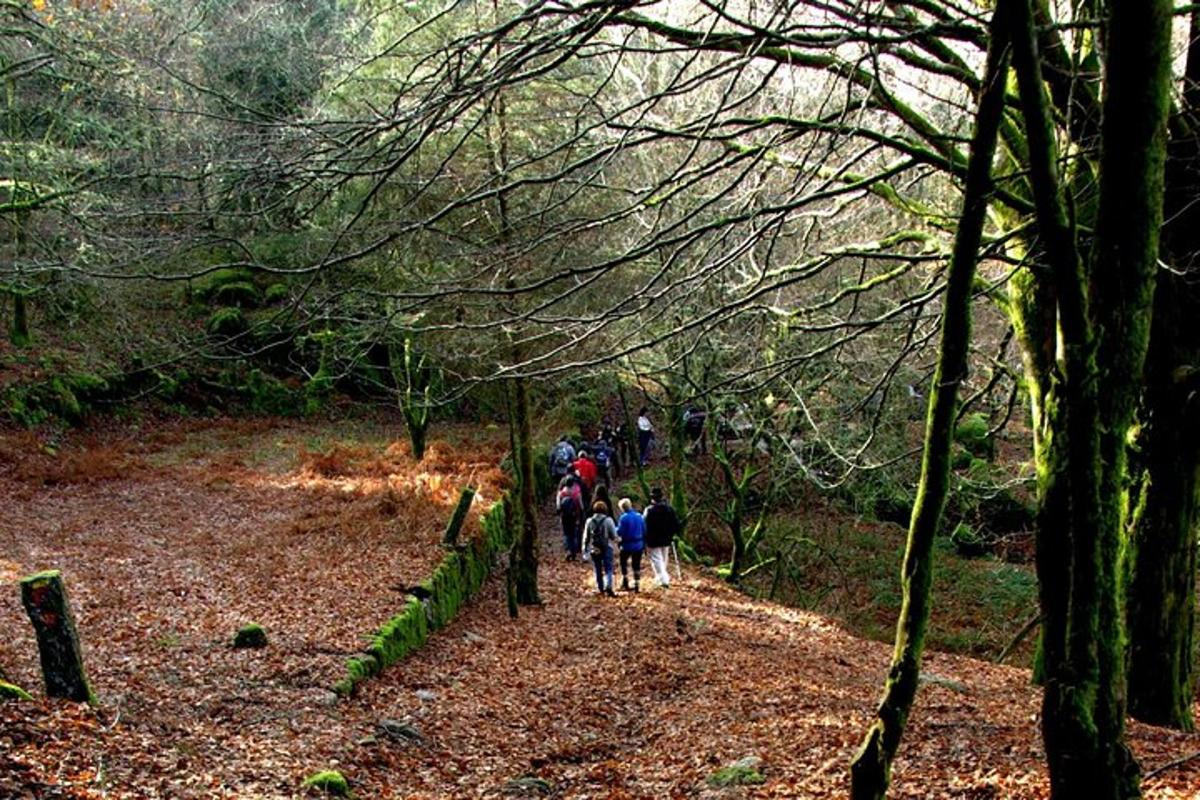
[44, 596]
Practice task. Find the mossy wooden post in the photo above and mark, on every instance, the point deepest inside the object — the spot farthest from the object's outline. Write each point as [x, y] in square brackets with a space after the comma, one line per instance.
[870, 772]
[526, 575]
[450, 538]
[44, 596]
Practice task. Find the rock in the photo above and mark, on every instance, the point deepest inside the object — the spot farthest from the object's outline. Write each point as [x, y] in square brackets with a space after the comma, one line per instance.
[474, 638]
[401, 731]
[426, 695]
[945, 683]
[527, 787]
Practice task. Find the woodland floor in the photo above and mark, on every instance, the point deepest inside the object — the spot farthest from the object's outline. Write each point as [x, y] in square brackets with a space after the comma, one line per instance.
[170, 541]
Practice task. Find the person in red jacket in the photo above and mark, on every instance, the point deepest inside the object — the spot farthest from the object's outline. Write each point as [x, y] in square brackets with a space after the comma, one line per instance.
[588, 472]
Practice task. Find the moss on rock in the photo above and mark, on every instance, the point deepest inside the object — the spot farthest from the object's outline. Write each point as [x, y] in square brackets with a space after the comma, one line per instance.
[250, 636]
[328, 782]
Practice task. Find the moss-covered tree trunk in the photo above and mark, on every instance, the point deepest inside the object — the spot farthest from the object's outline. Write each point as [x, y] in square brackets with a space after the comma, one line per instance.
[1162, 592]
[1104, 315]
[414, 379]
[525, 578]
[870, 772]
[44, 596]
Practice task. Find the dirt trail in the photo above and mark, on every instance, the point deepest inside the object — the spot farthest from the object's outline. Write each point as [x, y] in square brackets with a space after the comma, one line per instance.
[646, 695]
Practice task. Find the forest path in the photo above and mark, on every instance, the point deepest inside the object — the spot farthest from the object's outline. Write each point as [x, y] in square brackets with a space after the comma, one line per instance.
[646, 695]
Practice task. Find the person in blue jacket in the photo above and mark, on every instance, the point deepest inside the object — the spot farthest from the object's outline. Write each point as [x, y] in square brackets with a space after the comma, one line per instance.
[631, 527]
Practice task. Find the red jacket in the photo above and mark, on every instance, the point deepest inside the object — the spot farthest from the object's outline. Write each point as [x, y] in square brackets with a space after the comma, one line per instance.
[587, 471]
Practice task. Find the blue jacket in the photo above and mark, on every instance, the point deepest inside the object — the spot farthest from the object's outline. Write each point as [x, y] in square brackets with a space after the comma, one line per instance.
[632, 530]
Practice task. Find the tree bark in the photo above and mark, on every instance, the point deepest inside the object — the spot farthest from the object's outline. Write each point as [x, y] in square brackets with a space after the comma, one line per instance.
[526, 575]
[870, 771]
[1104, 315]
[1162, 591]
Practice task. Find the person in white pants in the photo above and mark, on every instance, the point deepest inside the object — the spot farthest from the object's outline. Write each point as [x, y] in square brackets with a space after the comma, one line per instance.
[662, 525]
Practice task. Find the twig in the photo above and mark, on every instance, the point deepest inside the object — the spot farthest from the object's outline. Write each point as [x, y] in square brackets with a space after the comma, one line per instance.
[1171, 764]
[1020, 637]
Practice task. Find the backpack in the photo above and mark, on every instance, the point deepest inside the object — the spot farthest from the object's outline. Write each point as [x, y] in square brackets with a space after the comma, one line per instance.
[565, 504]
[562, 458]
[602, 456]
[599, 533]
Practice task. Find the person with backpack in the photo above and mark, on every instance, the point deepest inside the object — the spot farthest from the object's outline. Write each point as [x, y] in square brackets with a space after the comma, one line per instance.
[569, 503]
[603, 458]
[662, 526]
[586, 469]
[631, 529]
[599, 539]
[601, 496]
[562, 455]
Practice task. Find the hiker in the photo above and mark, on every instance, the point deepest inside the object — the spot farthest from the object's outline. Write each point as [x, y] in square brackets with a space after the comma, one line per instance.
[586, 468]
[561, 457]
[599, 538]
[624, 452]
[601, 496]
[631, 529]
[603, 458]
[693, 426]
[613, 444]
[645, 432]
[569, 504]
[662, 525]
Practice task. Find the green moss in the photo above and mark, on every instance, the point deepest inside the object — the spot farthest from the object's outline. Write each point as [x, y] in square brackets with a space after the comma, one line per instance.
[972, 433]
[269, 395]
[967, 542]
[10, 691]
[227, 322]
[329, 782]
[242, 294]
[210, 285]
[251, 635]
[276, 292]
[736, 775]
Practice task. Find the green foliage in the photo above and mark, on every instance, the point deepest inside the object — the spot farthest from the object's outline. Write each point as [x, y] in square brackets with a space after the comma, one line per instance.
[735, 775]
[267, 394]
[967, 543]
[227, 322]
[329, 782]
[250, 636]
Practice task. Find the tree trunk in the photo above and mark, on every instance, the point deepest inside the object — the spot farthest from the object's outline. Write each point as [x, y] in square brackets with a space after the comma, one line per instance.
[44, 596]
[526, 574]
[1104, 316]
[1162, 592]
[870, 771]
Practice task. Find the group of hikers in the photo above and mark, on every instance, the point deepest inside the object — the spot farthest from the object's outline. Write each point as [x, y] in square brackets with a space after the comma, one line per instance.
[583, 487]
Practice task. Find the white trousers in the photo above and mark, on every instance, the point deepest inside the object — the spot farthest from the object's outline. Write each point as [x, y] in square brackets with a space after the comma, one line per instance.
[660, 563]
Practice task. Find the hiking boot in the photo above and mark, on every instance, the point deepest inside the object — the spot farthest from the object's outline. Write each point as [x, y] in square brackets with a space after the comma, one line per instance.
[624, 585]
[635, 586]
[610, 592]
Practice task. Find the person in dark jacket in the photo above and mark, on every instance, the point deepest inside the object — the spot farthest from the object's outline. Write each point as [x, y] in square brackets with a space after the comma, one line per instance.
[601, 496]
[631, 527]
[569, 503]
[662, 526]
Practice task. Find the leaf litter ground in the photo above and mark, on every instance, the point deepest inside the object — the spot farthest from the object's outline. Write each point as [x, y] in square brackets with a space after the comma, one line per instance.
[171, 540]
